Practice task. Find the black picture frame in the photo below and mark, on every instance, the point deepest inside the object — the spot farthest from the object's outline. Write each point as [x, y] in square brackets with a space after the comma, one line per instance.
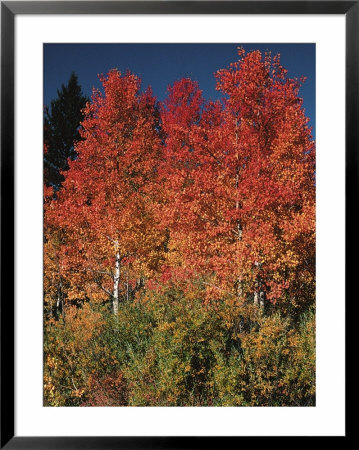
[9, 9]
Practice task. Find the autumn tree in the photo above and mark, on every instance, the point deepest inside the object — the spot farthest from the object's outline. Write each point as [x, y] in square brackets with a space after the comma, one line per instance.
[61, 130]
[241, 183]
[105, 206]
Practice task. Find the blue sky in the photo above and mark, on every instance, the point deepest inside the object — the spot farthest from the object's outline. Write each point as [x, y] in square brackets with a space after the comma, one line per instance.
[159, 65]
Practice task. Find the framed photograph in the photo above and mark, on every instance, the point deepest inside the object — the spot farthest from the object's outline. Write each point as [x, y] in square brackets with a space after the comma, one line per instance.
[175, 182]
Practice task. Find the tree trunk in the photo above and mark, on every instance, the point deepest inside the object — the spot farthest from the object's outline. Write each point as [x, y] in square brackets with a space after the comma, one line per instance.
[239, 227]
[58, 305]
[259, 299]
[59, 301]
[239, 280]
[127, 288]
[116, 284]
[258, 293]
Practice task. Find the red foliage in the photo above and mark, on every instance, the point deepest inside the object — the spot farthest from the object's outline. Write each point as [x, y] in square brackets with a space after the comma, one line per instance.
[223, 192]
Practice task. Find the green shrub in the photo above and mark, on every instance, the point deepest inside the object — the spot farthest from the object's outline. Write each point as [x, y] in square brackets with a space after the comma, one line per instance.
[172, 349]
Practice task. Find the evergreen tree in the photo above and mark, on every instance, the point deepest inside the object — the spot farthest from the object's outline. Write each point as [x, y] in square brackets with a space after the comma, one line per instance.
[61, 130]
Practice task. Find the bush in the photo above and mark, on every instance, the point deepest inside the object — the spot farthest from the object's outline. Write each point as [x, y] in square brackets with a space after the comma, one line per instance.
[172, 349]
[274, 366]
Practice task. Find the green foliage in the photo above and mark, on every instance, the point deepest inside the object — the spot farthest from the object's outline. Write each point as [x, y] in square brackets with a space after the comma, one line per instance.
[171, 349]
[275, 366]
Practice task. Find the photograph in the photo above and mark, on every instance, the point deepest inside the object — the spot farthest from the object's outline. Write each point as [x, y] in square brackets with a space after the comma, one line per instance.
[179, 224]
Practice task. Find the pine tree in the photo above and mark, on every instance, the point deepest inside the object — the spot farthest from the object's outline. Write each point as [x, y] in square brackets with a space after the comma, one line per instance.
[61, 130]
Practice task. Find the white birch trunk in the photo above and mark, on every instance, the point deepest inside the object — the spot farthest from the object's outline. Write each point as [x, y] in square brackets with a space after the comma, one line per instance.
[59, 301]
[258, 293]
[116, 284]
[259, 299]
[256, 301]
[58, 305]
[239, 228]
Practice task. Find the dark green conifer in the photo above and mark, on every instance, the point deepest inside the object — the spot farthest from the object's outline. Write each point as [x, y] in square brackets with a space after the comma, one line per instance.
[61, 130]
